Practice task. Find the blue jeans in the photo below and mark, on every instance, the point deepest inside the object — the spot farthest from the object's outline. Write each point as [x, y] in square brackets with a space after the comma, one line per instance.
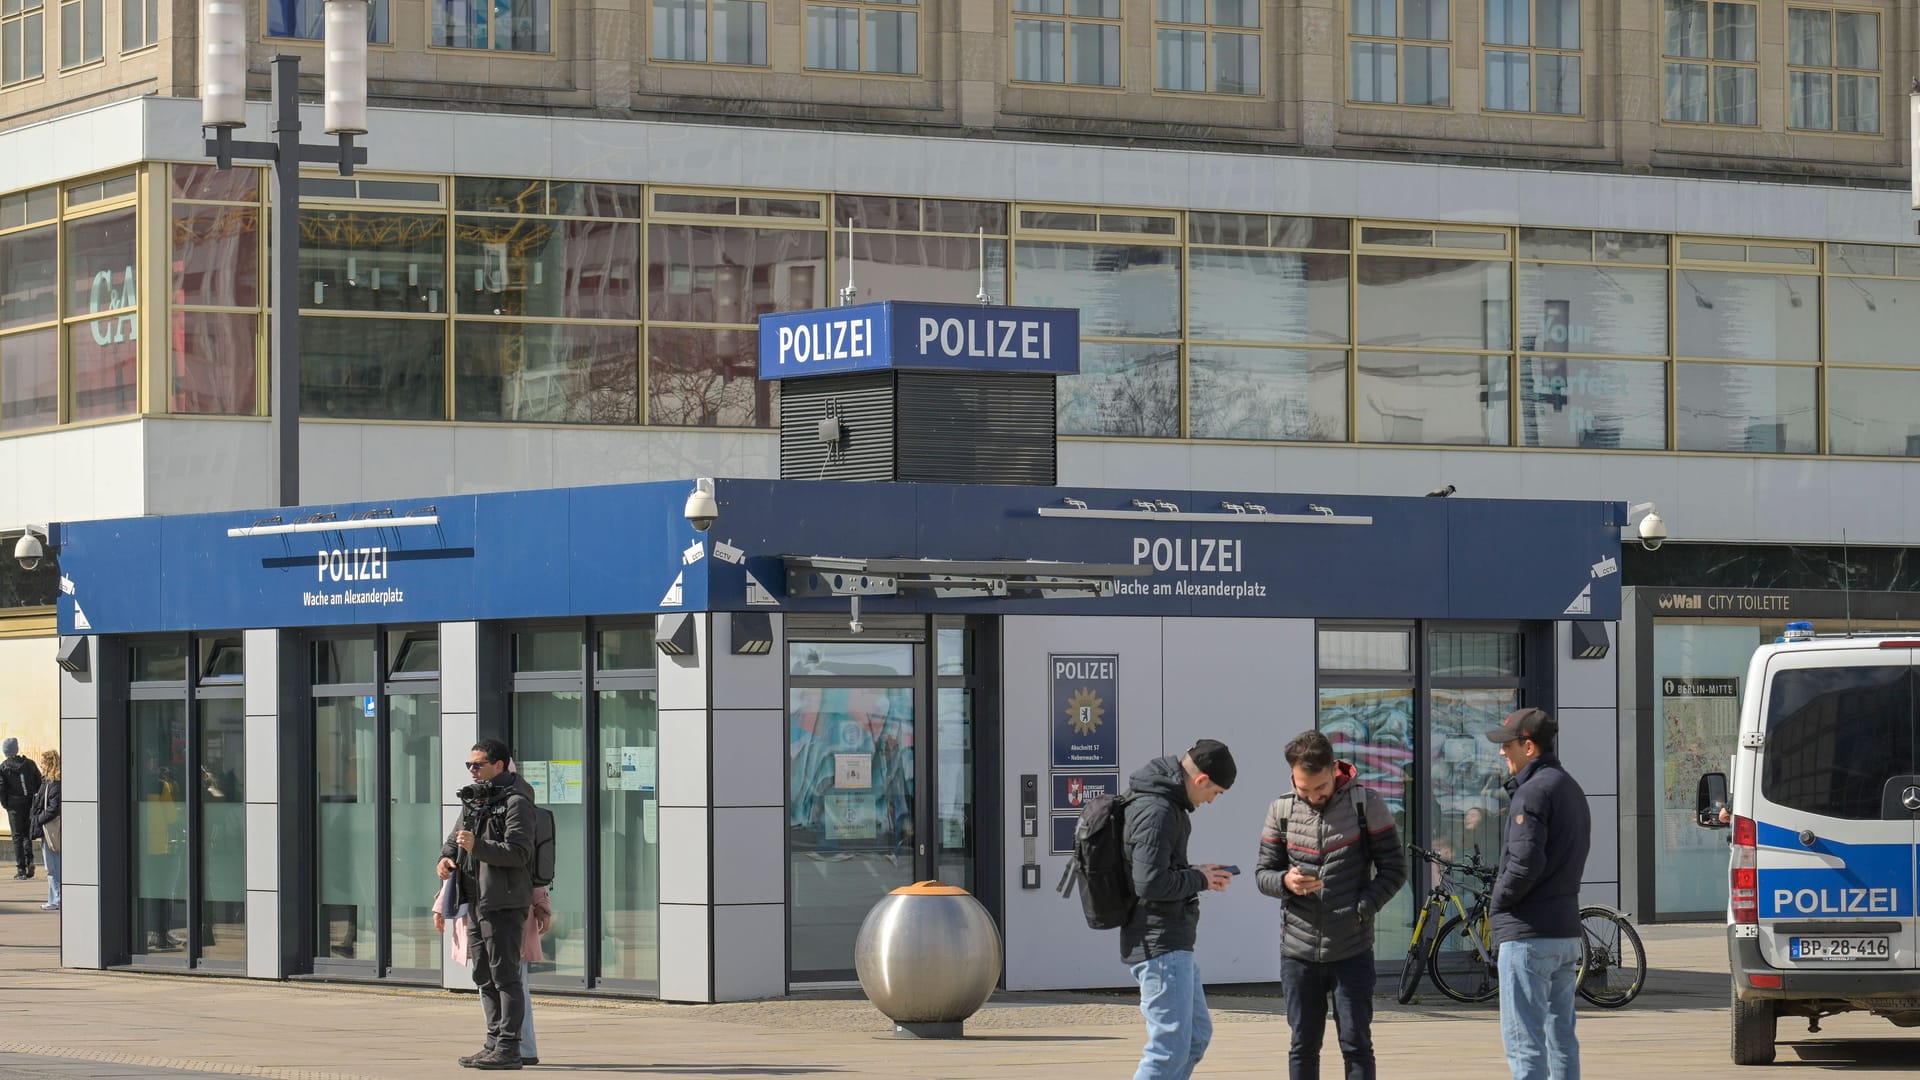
[1308, 985]
[1178, 1024]
[53, 876]
[1536, 1007]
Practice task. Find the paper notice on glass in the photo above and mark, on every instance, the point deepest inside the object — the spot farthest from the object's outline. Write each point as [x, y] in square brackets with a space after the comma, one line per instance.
[535, 774]
[565, 778]
[610, 778]
[638, 767]
[850, 817]
[650, 821]
[853, 772]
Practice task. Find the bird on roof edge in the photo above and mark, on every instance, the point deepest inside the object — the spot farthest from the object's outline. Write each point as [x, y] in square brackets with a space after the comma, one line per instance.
[1442, 492]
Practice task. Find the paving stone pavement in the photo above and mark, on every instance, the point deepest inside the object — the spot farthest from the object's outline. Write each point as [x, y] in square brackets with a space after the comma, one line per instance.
[63, 1024]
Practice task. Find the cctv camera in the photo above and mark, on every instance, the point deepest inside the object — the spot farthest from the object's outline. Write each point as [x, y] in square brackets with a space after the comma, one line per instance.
[1653, 532]
[701, 507]
[28, 551]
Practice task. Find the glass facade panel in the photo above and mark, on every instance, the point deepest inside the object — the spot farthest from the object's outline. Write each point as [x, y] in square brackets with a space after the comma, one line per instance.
[223, 829]
[626, 649]
[1255, 393]
[1278, 296]
[160, 788]
[413, 799]
[1373, 728]
[160, 661]
[347, 829]
[547, 373]
[215, 363]
[712, 274]
[953, 730]
[1873, 412]
[239, 184]
[849, 658]
[1122, 290]
[29, 277]
[1593, 309]
[1745, 408]
[890, 266]
[550, 735]
[216, 256]
[549, 650]
[354, 260]
[338, 661]
[705, 378]
[1736, 316]
[1593, 404]
[1696, 734]
[386, 369]
[305, 19]
[105, 373]
[1122, 390]
[1366, 650]
[547, 268]
[30, 380]
[1431, 398]
[630, 838]
[1868, 321]
[1469, 773]
[1434, 303]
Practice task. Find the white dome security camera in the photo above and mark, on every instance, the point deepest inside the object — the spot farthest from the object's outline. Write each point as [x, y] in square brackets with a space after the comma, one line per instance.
[28, 550]
[701, 506]
[1653, 531]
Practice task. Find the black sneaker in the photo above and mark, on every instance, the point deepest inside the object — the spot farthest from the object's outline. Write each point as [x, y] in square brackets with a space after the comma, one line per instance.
[529, 1061]
[499, 1058]
[467, 1061]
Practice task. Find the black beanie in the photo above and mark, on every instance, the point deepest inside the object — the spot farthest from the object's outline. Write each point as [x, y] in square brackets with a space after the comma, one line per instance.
[1214, 760]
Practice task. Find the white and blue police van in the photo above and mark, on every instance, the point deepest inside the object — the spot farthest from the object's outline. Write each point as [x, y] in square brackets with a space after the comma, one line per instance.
[1825, 817]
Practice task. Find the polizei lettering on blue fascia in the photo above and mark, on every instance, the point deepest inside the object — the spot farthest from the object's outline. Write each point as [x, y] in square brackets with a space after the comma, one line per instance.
[839, 339]
[1204, 554]
[987, 338]
[351, 564]
[1838, 900]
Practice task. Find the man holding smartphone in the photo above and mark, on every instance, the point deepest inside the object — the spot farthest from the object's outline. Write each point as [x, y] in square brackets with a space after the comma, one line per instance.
[1330, 852]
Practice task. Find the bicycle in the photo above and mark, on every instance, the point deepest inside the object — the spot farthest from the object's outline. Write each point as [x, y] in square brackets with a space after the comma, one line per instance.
[1448, 891]
[1613, 964]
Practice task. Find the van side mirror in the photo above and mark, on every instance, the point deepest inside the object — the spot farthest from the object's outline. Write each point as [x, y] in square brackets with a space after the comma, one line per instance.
[1711, 802]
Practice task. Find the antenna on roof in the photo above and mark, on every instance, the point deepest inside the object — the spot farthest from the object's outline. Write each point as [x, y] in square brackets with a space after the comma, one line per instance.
[847, 294]
[981, 296]
[1846, 582]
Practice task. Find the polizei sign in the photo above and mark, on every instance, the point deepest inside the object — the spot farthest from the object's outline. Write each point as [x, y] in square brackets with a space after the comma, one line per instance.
[924, 337]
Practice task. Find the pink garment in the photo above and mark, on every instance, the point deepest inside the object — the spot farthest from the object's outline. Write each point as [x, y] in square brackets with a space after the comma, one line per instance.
[540, 912]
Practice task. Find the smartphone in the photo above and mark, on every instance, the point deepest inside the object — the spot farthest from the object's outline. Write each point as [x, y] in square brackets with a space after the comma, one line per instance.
[1308, 871]
[1231, 869]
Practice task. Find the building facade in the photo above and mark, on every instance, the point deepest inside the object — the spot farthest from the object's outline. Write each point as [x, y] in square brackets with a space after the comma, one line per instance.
[1639, 251]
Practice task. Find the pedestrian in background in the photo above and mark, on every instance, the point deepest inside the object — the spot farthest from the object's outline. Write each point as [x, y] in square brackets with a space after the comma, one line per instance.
[1536, 899]
[19, 783]
[46, 823]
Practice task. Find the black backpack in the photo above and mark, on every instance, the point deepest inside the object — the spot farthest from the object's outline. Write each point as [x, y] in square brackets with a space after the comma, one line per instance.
[1099, 864]
[541, 865]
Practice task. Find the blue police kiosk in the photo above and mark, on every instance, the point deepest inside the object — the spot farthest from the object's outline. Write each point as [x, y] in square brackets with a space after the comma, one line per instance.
[754, 721]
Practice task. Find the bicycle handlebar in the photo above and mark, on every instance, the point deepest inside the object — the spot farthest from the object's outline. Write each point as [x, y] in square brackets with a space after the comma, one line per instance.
[1486, 873]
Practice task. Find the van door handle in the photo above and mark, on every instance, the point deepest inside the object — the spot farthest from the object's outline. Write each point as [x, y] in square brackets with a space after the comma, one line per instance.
[1807, 839]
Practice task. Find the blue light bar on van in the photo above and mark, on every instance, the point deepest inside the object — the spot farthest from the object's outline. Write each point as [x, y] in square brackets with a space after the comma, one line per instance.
[1798, 631]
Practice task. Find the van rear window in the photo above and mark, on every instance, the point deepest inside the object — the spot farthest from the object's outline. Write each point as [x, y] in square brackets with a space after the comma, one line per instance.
[1835, 736]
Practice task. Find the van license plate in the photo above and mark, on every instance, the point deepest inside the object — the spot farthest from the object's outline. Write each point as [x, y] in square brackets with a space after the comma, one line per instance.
[1839, 948]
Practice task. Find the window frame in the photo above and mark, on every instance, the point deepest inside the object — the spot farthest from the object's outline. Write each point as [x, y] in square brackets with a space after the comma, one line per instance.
[653, 56]
[94, 11]
[1834, 72]
[1067, 20]
[1401, 43]
[1209, 31]
[488, 49]
[379, 20]
[24, 17]
[71, 214]
[262, 298]
[1533, 51]
[863, 9]
[149, 25]
[1710, 62]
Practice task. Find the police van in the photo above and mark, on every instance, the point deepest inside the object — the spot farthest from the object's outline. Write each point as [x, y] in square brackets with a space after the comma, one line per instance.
[1825, 819]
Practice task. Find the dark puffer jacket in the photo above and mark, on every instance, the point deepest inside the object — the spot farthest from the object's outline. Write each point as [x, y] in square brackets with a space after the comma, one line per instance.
[1167, 917]
[496, 875]
[1361, 872]
[1549, 829]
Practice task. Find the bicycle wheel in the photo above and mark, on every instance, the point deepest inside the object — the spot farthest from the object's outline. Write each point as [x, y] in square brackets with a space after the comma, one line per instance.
[1615, 963]
[1416, 961]
[1456, 965]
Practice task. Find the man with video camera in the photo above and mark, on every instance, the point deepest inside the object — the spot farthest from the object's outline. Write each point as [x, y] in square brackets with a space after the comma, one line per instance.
[491, 850]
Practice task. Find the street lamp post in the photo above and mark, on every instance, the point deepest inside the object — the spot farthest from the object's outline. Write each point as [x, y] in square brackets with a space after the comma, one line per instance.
[223, 106]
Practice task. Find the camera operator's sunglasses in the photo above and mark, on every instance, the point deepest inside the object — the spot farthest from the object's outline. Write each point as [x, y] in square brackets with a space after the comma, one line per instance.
[474, 766]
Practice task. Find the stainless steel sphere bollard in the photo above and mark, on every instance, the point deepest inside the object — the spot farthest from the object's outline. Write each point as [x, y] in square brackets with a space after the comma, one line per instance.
[928, 957]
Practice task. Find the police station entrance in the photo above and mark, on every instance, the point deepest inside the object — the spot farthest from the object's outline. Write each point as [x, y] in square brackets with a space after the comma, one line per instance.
[890, 736]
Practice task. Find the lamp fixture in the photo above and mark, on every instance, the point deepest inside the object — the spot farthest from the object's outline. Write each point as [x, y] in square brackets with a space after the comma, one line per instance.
[1250, 512]
[1238, 508]
[752, 633]
[326, 521]
[677, 635]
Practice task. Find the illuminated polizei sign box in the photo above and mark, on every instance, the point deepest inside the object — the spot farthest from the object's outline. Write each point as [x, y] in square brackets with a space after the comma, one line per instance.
[896, 335]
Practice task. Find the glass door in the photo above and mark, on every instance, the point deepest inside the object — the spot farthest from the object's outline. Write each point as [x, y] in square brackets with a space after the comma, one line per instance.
[160, 829]
[222, 839]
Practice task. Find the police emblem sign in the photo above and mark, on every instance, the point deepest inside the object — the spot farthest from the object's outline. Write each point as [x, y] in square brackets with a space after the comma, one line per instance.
[1083, 716]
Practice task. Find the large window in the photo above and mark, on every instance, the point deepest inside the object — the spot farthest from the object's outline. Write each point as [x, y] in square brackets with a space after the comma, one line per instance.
[23, 40]
[1833, 70]
[29, 310]
[501, 25]
[102, 327]
[1837, 736]
[874, 35]
[1712, 62]
[1873, 373]
[1533, 56]
[921, 249]
[1586, 298]
[1207, 46]
[1398, 52]
[82, 31]
[139, 24]
[1076, 42]
[215, 286]
[711, 31]
[1754, 309]
[586, 738]
[305, 19]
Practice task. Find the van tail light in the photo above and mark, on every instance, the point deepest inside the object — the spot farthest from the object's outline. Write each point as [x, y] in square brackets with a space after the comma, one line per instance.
[1766, 982]
[1745, 884]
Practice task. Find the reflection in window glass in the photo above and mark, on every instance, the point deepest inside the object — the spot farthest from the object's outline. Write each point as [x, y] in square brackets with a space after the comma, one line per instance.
[1469, 773]
[305, 19]
[706, 378]
[954, 728]
[30, 380]
[1431, 398]
[1738, 316]
[1295, 395]
[550, 748]
[413, 749]
[382, 369]
[1836, 737]
[630, 838]
[1745, 408]
[1366, 650]
[1701, 670]
[215, 363]
[548, 650]
[546, 373]
[160, 787]
[1610, 310]
[29, 277]
[216, 256]
[1873, 322]
[1373, 729]
[1434, 303]
[342, 661]
[1122, 390]
[346, 830]
[223, 829]
[546, 267]
[1122, 290]
[105, 373]
[1875, 413]
[710, 274]
[1278, 296]
[161, 661]
[937, 269]
[626, 649]
[1594, 404]
[849, 658]
[372, 261]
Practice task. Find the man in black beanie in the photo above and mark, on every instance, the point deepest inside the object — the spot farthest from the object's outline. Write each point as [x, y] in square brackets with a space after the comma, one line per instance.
[1157, 941]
